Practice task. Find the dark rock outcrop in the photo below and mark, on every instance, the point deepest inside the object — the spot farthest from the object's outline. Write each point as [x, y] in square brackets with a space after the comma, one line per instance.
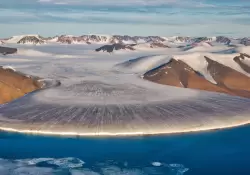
[66, 39]
[158, 45]
[201, 39]
[81, 39]
[7, 50]
[183, 39]
[238, 60]
[111, 48]
[31, 39]
[245, 41]
[222, 39]
[135, 39]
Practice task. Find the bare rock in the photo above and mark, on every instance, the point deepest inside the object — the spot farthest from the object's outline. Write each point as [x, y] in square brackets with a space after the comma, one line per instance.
[14, 85]
[7, 50]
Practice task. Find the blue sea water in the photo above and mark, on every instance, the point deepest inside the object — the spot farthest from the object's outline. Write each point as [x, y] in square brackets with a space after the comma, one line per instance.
[222, 152]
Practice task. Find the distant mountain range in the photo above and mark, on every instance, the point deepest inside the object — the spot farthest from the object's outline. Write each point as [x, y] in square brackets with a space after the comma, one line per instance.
[157, 41]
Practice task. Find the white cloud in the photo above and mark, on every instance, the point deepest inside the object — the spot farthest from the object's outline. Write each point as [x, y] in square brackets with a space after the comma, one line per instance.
[186, 3]
[16, 14]
[133, 17]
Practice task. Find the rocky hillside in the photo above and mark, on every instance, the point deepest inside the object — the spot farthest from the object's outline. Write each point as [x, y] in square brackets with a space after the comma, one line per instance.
[240, 60]
[26, 39]
[227, 80]
[14, 85]
[31, 40]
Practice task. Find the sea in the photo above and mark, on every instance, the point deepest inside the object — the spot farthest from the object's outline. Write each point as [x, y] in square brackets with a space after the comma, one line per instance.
[222, 152]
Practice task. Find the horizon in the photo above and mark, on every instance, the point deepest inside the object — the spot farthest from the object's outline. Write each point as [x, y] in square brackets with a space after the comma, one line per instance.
[134, 18]
[110, 35]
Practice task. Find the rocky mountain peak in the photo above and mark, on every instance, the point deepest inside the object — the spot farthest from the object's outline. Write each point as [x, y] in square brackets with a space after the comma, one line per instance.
[183, 39]
[81, 39]
[31, 40]
[245, 41]
[222, 39]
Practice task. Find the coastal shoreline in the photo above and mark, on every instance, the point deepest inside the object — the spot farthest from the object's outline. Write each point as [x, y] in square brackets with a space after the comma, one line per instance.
[122, 134]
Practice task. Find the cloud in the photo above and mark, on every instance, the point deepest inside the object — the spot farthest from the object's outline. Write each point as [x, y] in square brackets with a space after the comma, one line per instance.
[152, 17]
[181, 3]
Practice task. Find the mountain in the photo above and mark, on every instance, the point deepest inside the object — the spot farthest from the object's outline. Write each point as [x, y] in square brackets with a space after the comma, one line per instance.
[125, 39]
[182, 39]
[14, 84]
[245, 41]
[178, 73]
[157, 41]
[227, 77]
[241, 61]
[26, 39]
[84, 39]
[31, 40]
[183, 74]
[178, 39]
[222, 39]
[135, 39]
[202, 39]
[158, 45]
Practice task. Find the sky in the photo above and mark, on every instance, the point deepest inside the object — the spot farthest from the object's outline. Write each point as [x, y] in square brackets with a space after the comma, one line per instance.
[125, 17]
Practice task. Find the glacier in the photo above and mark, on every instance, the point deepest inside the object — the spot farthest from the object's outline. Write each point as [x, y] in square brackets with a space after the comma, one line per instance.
[95, 94]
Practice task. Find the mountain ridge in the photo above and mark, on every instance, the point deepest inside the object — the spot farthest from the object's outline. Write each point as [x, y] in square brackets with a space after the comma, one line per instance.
[113, 39]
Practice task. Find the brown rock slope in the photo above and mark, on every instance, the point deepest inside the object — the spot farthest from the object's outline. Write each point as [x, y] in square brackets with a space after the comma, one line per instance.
[238, 60]
[178, 73]
[230, 79]
[14, 85]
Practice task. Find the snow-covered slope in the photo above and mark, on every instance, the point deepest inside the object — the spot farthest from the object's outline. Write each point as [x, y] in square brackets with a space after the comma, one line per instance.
[26, 39]
[198, 63]
[142, 64]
